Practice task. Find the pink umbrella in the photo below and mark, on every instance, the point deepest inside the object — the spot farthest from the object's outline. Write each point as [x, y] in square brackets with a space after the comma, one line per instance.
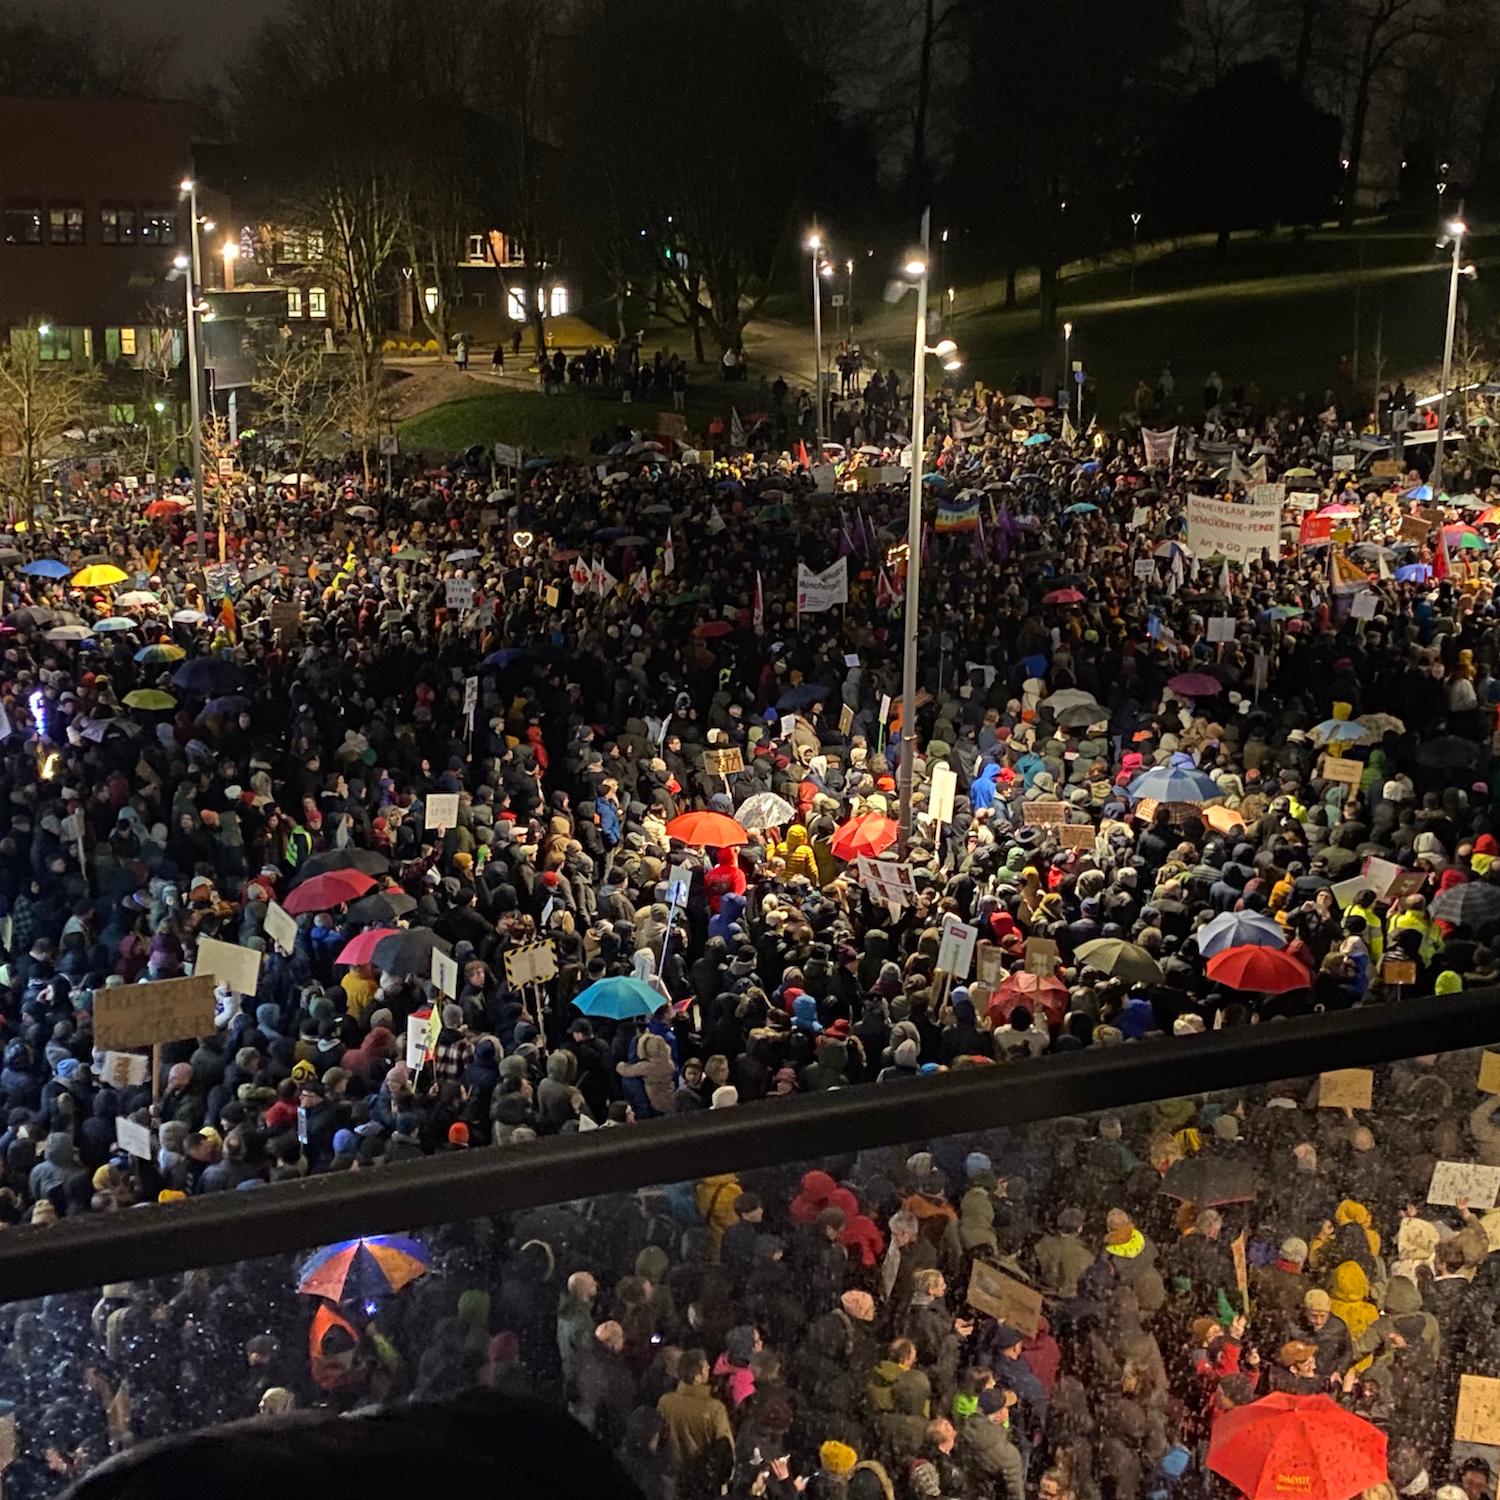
[361, 949]
[1195, 685]
[1063, 596]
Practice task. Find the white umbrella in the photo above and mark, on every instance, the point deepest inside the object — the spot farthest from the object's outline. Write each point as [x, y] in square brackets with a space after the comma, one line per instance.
[1071, 698]
[765, 810]
[1381, 724]
[136, 599]
[64, 633]
[188, 617]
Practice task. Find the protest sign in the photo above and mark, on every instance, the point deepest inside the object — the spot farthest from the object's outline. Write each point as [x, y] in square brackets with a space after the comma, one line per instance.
[286, 617]
[443, 972]
[1315, 531]
[1303, 500]
[552, 597]
[1452, 1180]
[1004, 1298]
[134, 1139]
[1386, 468]
[1241, 1266]
[1345, 1088]
[440, 810]
[281, 927]
[507, 455]
[1145, 567]
[416, 1038]
[1344, 462]
[1159, 445]
[1365, 605]
[817, 592]
[1477, 1419]
[121, 1070]
[1041, 814]
[941, 793]
[1413, 529]
[458, 594]
[1221, 627]
[1489, 1073]
[846, 719]
[886, 881]
[1239, 532]
[1140, 516]
[531, 963]
[989, 964]
[1266, 494]
[1338, 768]
[1399, 970]
[231, 965]
[1378, 874]
[1041, 956]
[956, 951]
[724, 762]
[1076, 835]
[163, 1010]
[679, 883]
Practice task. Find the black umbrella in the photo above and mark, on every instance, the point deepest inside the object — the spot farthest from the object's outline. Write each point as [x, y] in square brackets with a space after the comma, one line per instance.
[1340, 859]
[1209, 1181]
[381, 908]
[409, 952]
[1079, 715]
[366, 861]
[1472, 904]
[1447, 753]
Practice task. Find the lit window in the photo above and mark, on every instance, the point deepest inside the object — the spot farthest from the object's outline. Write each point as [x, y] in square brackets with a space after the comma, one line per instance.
[127, 342]
[430, 297]
[88, 344]
[294, 302]
[315, 244]
[515, 304]
[65, 224]
[559, 301]
[292, 245]
[117, 225]
[317, 302]
[55, 346]
[23, 224]
[158, 227]
[478, 249]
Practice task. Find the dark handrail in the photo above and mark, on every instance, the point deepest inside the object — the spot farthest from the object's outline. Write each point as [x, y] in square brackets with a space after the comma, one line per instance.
[91, 1250]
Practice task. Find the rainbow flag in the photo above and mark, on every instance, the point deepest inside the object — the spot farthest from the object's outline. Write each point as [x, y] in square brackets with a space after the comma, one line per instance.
[961, 514]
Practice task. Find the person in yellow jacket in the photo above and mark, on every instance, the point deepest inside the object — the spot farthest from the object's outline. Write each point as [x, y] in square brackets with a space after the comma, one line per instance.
[1349, 1290]
[1374, 933]
[1349, 1211]
[715, 1199]
[797, 851]
[1411, 916]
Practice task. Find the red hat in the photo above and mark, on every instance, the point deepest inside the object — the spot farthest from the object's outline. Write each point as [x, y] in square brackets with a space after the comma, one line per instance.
[550, 878]
[458, 1134]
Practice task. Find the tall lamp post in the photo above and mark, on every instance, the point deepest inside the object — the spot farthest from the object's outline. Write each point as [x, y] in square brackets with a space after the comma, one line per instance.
[946, 350]
[1455, 229]
[1135, 225]
[1067, 370]
[815, 245]
[184, 266]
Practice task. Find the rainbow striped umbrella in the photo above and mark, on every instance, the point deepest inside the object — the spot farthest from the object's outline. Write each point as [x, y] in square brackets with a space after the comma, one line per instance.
[363, 1268]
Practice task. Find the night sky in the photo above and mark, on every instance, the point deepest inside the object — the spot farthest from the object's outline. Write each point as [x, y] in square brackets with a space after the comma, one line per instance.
[206, 32]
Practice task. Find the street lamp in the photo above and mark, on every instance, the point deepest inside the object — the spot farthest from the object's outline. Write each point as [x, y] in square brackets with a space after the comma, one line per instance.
[1454, 231]
[231, 253]
[1067, 369]
[1135, 224]
[184, 267]
[815, 247]
[947, 351]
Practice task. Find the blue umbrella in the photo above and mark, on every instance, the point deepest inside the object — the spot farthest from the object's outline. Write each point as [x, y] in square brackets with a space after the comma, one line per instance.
[1419, 492]
[1037, 439]
[934, 479]
[1335, 731]
[230, 703]
[538, 463]
[47, 567]
[206, 675]
[1414, 573]
[1173, 785]
[619, 998]
[1234, 929]
[802, 696]
[1080, 508]
[505, 656]
[115, 622]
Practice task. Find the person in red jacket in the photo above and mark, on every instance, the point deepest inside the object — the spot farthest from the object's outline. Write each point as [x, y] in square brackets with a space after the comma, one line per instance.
[724, 879]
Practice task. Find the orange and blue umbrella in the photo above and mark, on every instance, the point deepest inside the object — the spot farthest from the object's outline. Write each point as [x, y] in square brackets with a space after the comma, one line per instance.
[363, 1268]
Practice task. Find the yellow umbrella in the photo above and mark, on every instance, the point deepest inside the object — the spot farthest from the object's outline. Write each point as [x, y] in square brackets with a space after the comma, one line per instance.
[100, 575]
[149, 698]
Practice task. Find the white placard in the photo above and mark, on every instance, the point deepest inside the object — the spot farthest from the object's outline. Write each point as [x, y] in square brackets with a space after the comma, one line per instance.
[507, 456]
[679, 883]
[885, 708]
[1145, 567]
[416, 1039]
[940, 794]
[471, 695]
[1239, 532]
[821, 591]
[237, 967]
[1140, 516]
[1304, 500]
[1452, 1180]
[136, 1139]
[1266, 494]
[1344, 460]
[1365, 604]
[788, 724]
[886, 881]
[1221, 627]
[851, 659]
[956, 951]
[458, 594]
[444, 973]
[124, 1070]
[441, 810]
[281, 927]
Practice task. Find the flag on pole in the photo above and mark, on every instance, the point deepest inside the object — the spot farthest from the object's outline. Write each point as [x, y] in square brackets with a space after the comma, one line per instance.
[603, 581]
[736, 430]
[846, 542]
[802, 457]
[668, 556]
[1069, 432]
[1440, 567]
[1258, 474]
[227, 618]
[758, 610]
[640, 583]
[885, 593]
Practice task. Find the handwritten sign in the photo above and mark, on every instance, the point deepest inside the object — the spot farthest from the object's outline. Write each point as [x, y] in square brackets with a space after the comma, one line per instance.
[286, 618]
[165, 1010]
[231, 965]
[1221, 627]
[1004, 1298]
[133, 1138]
[1041, 957]
[1338, 768]
[1452, 1180]
[723, 762]
[956, 951]
[1346, 1088]
[440, 810]
[1401, 971]
[281, 927]
[124, 1070]
[1477, 1419]
[990, 965]
[1043, 814]
[1076, 835]
[1413, 529]
[1239, 532]
[846, 719]
[416, 1039]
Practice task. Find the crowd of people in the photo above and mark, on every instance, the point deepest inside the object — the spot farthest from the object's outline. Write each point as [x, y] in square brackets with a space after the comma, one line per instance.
[184, 748]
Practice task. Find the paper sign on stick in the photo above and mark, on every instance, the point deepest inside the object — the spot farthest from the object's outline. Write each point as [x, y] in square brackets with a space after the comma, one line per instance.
[281, 927]
[136, 1139]
[231, 965]
[444, 974]
[1345, 1088]
[956, 951]
[1041, 957]
[1004, 1298]
[441, 810]
[165, 1010]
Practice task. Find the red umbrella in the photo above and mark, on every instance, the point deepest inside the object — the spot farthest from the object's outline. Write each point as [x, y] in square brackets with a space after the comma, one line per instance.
[1251, 967]
[1042, 992]
[868, 836]
[1307, 1447]
[707, 828]
[325, 891]
[1063, 596]
[361, 949]
[164, 507]
[1195, 685]
[711, 628]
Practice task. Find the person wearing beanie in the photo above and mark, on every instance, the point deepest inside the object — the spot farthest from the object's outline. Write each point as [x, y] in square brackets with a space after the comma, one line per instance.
[725, 1097]
[986, 1449]
[1321, 1327]
[1277, 1289]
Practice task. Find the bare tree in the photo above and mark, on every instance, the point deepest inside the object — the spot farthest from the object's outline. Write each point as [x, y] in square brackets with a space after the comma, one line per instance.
[39, 401]
[1220, 36]
[300, 388]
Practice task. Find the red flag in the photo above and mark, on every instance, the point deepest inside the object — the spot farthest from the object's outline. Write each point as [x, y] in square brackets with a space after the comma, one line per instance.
[226, 615]
[802, 457]
[1440, 567]
[758, 611]
[885, 595]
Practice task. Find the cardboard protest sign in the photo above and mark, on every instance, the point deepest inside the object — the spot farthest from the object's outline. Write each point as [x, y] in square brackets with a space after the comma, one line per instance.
[1413, 529]
[956, 951]
[724, 762]
[444, 974]
[1345, 1088]
[440, 810]
[1004, 1298]
[1477, 1419]
[164, 1010]
[458, 594]
[1489, 1073]
[281, 927]
[125, 1070]
[990, 965]
[136, 1139]
[1452, 1180]
[1076, 835]
[1041, 814]
[1399, 971]
[940, 795]
[1338, 768]
[531, 963]
[231, 965]
[886, 881]
[1241, 1268]
[286, 618]
[846, 719]
[1041, 957]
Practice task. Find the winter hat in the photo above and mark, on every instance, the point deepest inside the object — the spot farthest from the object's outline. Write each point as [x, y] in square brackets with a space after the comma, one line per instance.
[345, 1143]
[725, 1097]
[838, 1458]
[1317, 1300]
[1294, 1250]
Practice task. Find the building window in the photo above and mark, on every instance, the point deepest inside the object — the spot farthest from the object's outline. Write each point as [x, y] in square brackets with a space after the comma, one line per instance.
[515, 304]
[88, 344]
[315, 244]
[55, 346]
[559, 301]
[478, 250]
[117, 225]
[127, 342]
[158, 227]
[317, 302]
[65, 224]
[294, 302]
[430, 298]
[23, 224]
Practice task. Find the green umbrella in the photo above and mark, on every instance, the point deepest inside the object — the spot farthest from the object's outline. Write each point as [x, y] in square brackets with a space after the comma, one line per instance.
[1122, 960]
[411, 554]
